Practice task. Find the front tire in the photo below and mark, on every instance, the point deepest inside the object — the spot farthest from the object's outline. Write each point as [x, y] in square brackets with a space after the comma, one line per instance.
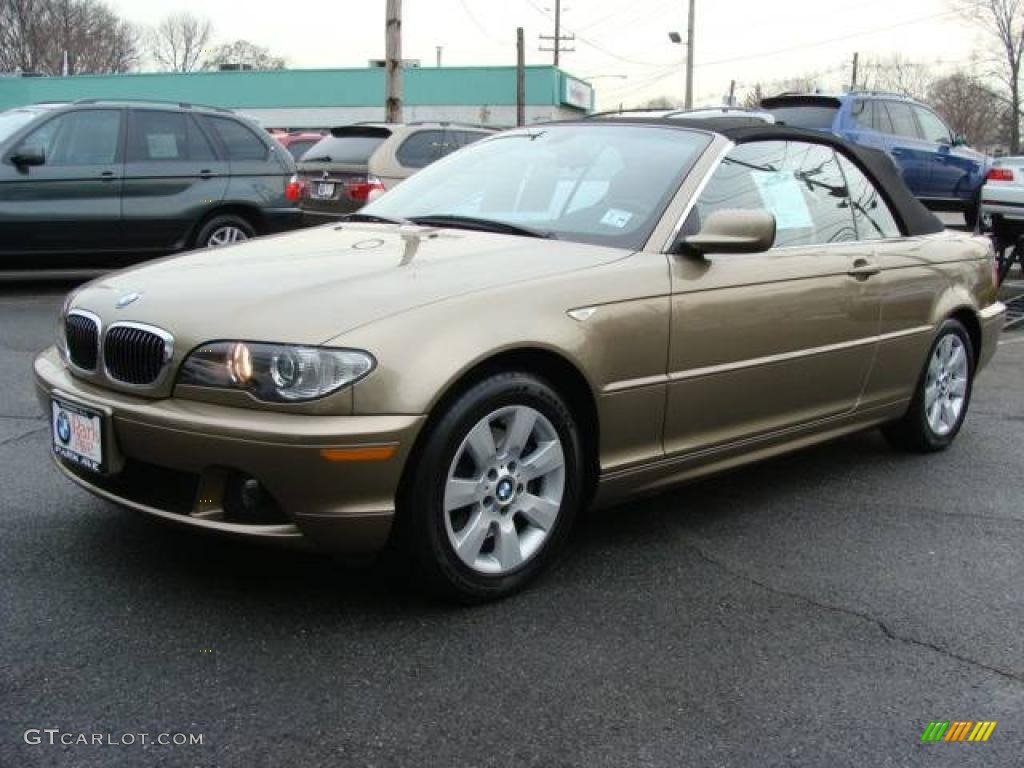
[494, 489]
[943, 393]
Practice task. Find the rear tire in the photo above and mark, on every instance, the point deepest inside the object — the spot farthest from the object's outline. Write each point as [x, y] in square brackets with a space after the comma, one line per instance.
[942, 395]
[225, 229]
[494, 489]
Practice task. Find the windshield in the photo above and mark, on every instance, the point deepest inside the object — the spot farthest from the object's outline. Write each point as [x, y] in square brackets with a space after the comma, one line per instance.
[13, 119]
[600, 184]
[352, 148]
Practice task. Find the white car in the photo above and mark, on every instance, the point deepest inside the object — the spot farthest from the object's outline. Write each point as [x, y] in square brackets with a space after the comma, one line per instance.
[1002, 209]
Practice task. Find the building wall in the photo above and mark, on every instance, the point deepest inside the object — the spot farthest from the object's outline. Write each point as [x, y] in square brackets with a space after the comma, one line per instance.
[334, 96]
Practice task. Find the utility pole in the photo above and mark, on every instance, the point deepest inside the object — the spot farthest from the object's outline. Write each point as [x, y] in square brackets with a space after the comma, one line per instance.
[853, 80]
[439, 49]
[558, 38]
[732, 93]
[520, 78]
[689, 55]
[393, 63]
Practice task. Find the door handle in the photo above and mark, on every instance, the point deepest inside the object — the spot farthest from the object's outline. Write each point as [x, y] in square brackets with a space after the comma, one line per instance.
[897, 151]
[862, 269]
[107, 175]
[206, 173]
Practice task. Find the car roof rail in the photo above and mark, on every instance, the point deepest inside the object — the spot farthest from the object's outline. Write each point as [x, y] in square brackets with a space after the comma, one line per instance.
[634, 110]
[451, 123]
[166, 102]
[872, 92]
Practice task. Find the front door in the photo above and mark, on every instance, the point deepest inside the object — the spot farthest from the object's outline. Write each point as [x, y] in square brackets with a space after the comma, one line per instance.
[71, 204]
[762, 343]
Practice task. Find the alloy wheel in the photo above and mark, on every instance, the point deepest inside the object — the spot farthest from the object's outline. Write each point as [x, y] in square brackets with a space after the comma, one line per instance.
[504, 490]
[945, 389]
[226, 235]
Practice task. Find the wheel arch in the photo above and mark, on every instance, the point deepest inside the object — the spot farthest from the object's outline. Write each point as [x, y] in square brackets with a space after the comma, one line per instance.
[969, 319]
[564, 376]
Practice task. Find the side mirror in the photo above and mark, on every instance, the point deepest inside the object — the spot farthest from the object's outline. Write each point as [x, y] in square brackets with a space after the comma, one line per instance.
[27, 156]
[733, 231]
[959, 140]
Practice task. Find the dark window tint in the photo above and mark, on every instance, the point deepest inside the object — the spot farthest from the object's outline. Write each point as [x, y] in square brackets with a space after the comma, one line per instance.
[239, 141]
[424, 147]
[86, 137]
[165, 136]
[862, 112]
[297, 148]
[880, 118]
[462, 138]
[349, 150]
[902, 117]
[934, 129]
[814, 117]
[871, 214]
[800, 183]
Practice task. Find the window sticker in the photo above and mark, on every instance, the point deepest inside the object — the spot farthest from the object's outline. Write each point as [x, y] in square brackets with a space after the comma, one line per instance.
[783, 196]
[615, 217]
[162, 146]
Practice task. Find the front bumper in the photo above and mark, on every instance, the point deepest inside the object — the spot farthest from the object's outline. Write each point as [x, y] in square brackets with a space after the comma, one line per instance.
[201, 449]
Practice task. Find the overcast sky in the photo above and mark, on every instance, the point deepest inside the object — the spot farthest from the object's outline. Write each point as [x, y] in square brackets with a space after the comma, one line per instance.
[748, 40]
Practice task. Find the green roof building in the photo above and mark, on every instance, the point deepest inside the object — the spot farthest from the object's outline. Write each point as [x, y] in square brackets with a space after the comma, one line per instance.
[320, 98]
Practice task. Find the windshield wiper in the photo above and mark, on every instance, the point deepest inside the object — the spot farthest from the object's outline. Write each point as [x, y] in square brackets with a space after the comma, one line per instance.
[484, 225]
[323, 159]
[373, 218]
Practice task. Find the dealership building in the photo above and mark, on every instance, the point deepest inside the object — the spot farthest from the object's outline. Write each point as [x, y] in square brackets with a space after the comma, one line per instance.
[320, 98]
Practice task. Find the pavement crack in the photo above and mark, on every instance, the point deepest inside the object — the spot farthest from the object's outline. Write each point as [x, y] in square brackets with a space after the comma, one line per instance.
[882, 626]
[23, 435]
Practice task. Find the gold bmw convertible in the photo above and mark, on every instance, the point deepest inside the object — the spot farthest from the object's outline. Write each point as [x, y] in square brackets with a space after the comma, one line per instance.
[554, 317]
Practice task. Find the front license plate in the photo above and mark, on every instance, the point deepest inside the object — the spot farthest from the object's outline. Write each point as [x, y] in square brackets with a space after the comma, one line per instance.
[324, 190]
[77, 434]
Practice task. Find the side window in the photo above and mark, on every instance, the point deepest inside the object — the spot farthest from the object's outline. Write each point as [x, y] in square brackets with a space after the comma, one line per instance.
[934, 129]
[800, 183]
[871, 214]
[199, 147]
[903, 122]
[862, 111]
[880, 118]
[85, 137]
[422, 148]
[157, 136]
[462, 138]
[239, 142]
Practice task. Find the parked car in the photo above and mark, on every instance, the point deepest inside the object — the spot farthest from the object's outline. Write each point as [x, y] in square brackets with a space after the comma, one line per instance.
[103, 183]
[936, 164]
[339, 174]
[555, 315]
[1002, 209]
[297, 142]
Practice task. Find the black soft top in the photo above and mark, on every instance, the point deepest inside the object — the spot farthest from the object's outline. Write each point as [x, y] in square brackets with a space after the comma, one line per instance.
[913, 218]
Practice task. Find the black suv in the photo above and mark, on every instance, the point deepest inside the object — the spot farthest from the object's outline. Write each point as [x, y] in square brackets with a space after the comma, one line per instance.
[102, 183]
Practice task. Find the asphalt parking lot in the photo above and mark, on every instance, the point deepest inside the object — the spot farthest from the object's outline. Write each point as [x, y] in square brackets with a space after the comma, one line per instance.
[816, 610]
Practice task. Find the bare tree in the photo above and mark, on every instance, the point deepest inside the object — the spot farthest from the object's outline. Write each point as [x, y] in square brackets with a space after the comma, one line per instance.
[244, 54]
[1003, 21]
[969, 107]
[43, 35]
[180, 41]
[896, 74]
[752, 98]
[659, 102]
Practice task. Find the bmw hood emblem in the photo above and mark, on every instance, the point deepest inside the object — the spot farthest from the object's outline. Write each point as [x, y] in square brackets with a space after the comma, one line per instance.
[128, 298]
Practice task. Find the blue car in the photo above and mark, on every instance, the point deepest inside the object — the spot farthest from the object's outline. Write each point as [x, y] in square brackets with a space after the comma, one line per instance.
[936, 164]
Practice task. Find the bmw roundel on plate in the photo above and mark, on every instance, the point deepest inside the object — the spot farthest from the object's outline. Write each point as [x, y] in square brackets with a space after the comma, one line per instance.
[550, 318]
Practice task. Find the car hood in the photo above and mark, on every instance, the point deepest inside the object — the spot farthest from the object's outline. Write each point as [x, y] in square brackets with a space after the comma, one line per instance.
[307, 287]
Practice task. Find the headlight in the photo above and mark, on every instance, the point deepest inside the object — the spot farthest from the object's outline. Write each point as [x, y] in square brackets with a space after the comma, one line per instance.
[278, 373]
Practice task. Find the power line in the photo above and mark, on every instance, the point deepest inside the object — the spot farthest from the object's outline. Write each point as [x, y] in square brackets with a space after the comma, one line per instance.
[479, 26]
[828, 41]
